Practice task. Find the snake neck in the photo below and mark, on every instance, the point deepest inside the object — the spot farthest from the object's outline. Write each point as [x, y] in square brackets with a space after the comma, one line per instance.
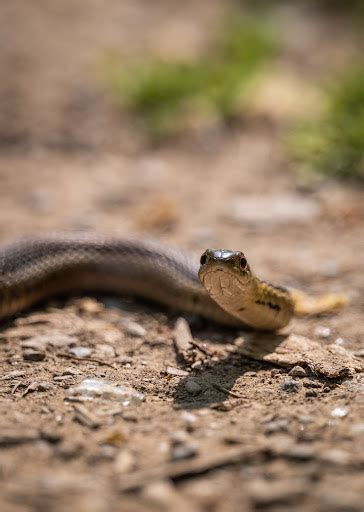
[271, 307]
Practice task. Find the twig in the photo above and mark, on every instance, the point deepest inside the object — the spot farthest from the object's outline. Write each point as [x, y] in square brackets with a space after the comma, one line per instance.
[182, 337]
[89, 359]
[227, 391]
[201, 349]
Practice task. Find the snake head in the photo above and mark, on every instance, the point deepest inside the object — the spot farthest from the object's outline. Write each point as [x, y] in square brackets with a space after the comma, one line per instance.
[233, 263]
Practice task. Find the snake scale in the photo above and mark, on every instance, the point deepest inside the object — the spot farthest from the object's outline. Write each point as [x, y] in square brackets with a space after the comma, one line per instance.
[36, 268]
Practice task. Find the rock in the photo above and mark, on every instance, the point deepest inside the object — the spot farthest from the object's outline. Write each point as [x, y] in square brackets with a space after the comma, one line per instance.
[332, 361]
[80, 351]
[340, 412]
[339, 341]
[322, 332]
[312, 384]
[176, 372]
[33, 355]
[193, 387]
[184, 451]
[69, 371]
[290, 385]
[97, 388]
[38, 343]
[134, 329]
[311, 393]
[298, 371]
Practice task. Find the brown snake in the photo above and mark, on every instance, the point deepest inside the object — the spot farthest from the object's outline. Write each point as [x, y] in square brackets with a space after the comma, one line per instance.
[37, 268]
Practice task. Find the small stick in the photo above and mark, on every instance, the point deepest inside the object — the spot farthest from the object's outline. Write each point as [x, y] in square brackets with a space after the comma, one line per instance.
[201, 349]
[182, 337]
[89, 359]
[227, 391]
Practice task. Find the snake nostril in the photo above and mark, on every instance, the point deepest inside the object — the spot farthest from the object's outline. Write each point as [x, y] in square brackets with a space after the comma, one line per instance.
[203, 259]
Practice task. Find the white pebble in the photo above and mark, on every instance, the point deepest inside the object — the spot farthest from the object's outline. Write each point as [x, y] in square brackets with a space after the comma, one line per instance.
[340, 412]
[322, 332]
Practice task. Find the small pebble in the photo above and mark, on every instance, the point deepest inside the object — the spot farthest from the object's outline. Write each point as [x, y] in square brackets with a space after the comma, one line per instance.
[33, 355]
[37, 343]
[340, 412]
[193, 387]
[322, 332]
[312, 384]
[80, 351]
[340, 341]
[97, 388]
[311, 393]
[274, 372]
[134, 329]
[61, 378]
[290, 385]
[298, 371]
[184, 451]
[250, 374]
[176, 371]
[71, 371]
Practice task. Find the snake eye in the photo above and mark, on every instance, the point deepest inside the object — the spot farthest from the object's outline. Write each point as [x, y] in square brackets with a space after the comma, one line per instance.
[243, 263]
[203, 259]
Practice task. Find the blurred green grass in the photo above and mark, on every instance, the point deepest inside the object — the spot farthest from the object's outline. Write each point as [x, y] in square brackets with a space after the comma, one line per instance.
[333, 145]
[165, 93]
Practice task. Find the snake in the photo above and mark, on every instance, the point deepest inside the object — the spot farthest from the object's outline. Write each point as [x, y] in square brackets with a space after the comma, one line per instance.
[219, 286]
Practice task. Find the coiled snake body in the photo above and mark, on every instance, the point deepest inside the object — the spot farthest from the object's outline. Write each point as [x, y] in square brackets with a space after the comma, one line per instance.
[37, 268]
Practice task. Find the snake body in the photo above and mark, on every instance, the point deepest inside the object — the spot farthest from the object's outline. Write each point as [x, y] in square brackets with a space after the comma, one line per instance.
[37, 268]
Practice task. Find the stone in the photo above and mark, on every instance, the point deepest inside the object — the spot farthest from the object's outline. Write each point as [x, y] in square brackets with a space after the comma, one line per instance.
[33, 355]
[290, 385]
[298, 371]
[192, 387]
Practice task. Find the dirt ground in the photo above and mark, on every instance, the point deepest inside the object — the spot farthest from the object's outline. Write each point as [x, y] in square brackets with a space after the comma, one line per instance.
[221, 431]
